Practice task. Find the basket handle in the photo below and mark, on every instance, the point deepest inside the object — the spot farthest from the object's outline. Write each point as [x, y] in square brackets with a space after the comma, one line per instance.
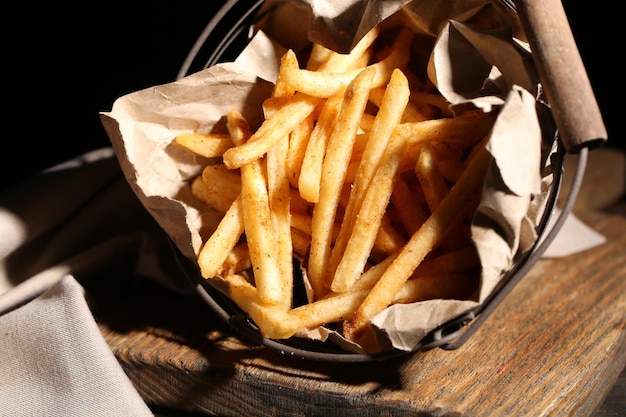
[562, 73]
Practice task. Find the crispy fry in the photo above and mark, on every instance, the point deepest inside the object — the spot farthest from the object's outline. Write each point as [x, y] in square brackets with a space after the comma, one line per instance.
[422, 242]
[311, 172]
[448, 285]
[273, 321]
[433, 184]
[408, 206]
[237, 260]
[257, 221]
[281, 88]
[344, 62]
[279, 191]
[411, 112]
[273, 129]
[420, 98]
[363, 234]
[461, 132]
[298, 141]
[218, 201]
[216, 249]
[209, 145]
[279, 210]
[334, 170]
[324, 84]
[459, 260]
[392, 106]
[329, 309]
[222, 186]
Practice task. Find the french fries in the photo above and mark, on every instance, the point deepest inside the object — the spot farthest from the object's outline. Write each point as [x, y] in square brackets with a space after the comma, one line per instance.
[366, 180]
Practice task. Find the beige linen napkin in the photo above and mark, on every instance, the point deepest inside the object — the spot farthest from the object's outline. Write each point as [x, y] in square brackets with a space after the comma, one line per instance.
[63, 230]
[54, 361]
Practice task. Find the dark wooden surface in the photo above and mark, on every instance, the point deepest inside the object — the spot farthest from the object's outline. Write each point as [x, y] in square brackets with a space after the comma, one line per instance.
[555, 346]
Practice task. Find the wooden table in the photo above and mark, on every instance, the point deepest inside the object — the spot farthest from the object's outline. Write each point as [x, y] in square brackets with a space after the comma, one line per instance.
[555, 346]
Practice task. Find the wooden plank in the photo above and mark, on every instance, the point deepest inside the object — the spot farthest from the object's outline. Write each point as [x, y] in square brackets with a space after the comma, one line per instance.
[554, 347]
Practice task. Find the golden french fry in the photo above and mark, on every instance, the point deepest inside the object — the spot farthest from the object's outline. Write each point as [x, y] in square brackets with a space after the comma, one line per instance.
[422, 242]
[300, 242]
[338, 154]
[217, 200]
[279, 189]
[388, 239]
[319, 84]
[329, 309]
[392, 107]
[311, 172]
[237, 260]
[433, 184]
[298, 140]
[421, 98]
[459, 260]
[343, 62]
[209, 145]
[281, 88]
[461, 132]
[353, 257]
[325, 84]
[216, 249]
[318, 57]
[408, 206]
[448, 285]
[273, 321]
[257, 220]
[222, 186]
[411, 112]
[279, 210]
[273, 129]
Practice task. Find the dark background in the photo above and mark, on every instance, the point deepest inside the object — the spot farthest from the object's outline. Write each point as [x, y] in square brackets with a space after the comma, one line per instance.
[64, 64]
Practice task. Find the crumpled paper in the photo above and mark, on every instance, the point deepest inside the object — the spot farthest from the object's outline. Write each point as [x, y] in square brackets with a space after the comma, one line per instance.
[476, 63]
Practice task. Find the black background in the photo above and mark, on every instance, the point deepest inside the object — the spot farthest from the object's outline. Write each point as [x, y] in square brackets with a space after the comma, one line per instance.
[64, 64]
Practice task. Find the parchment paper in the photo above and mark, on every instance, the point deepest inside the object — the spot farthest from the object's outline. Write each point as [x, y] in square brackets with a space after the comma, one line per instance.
[477, 63]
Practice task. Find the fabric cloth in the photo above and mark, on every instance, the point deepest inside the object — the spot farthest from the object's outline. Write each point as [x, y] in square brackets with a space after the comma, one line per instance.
[71, 225]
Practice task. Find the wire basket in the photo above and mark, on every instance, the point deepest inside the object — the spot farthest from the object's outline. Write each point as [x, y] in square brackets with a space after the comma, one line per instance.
[223, 38]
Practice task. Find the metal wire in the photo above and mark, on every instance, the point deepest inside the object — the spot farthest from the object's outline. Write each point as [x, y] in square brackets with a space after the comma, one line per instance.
[225, 41]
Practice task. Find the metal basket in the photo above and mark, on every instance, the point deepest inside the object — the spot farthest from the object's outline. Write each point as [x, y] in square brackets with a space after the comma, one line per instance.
[225, 35]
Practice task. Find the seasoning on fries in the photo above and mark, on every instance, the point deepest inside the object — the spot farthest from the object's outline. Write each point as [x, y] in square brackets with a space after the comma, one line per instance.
[360, 171]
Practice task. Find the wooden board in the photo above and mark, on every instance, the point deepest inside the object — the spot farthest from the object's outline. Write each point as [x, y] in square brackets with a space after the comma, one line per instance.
[555, 346]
